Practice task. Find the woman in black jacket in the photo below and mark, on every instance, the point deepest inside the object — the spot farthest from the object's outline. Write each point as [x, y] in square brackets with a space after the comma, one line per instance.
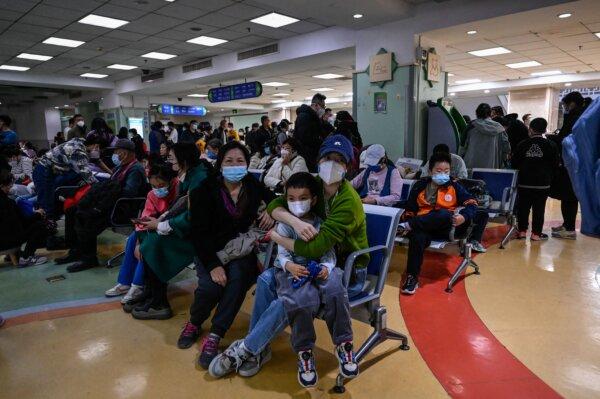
[222, 208]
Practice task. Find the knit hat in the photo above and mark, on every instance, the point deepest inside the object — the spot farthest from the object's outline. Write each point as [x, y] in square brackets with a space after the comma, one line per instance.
[337, 143]
[124, 144]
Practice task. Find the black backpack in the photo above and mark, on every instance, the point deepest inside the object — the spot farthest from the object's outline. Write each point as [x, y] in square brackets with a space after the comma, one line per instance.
[477, 189]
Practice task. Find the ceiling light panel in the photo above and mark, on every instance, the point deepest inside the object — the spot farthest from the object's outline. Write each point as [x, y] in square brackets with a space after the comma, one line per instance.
[104, 22]
[467, 81]
[57, 41]
[328, 76]
[206, 41]
[197, 95]
[93, 75]
[526, 64]
[36, 57]
[280, 95]
[274, 20]
[490, 51]
[275, 84]
[158, 56]
[14, 68]
[122, 67]
[322, 89]
[546, 73]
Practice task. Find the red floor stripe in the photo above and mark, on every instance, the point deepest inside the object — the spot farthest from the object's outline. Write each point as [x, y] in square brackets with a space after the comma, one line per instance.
[461, 352]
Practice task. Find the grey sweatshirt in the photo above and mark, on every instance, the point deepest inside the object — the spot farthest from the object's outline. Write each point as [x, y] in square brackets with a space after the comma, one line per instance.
[487, 145]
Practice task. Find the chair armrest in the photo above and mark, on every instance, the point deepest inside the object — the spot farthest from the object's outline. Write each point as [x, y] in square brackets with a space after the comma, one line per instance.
[139, 201]
[349, 265]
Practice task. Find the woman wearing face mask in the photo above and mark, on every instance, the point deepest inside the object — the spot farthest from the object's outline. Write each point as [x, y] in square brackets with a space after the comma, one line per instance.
[166, 246]
[101, 132]
[96, 164]
[285, 166]
[130, 282]
[222, 208]
[264, 158]
[212, 151]
[380, 183]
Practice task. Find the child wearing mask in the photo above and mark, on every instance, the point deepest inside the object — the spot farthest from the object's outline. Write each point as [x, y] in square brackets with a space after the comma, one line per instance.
[212, 151]
[164, 184]
[326, 290]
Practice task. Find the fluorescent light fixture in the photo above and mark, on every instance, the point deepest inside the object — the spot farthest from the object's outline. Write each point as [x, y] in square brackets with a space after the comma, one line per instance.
[452, 94]
[328, 76]
[57, 41]
[207, 41]
[490, 51]
[597, 34]
[308, 98]
[322, 89]
[357, 16]
[280, 95]
[525, 64]
[546, 73]
[36, 57]
[104, 22]
[14, 68]
[486, 91]
[278, 101]
[169, 1]
[275, 84]
[197, 95]
[93, 75]
[467, 81]
[350, 94]
[122, 67]
[450, 74]
[471, 32]
[158, 56]
[568, 84]
[565, 15]
[274, 20]
[56, 107]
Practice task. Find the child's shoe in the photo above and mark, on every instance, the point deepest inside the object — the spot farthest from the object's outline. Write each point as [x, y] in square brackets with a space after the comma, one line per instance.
[210, 350]
[345, 355]
[307, 374]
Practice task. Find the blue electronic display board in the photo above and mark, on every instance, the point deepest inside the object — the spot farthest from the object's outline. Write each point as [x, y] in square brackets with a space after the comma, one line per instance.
[186, 110]
[235, 92]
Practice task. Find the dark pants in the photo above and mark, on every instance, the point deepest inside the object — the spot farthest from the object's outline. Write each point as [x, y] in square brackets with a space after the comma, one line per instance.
[436, 225]
[81, 234]
[569, 214]
[46, 183]
[154, 288]
[36, 234]
[241, 275]
[534, 200]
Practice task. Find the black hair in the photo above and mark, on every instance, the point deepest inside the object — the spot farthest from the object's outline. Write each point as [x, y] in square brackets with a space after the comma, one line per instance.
[29, 145]
[587, 101]
[187, 154]
[574, 97]
[6, 178]
[264, 118]
[525, 117]
[438, 157]
[123, 133]
[77, 116]
[232, 145]
[327, 110]
[41, 152]
[230, 124]
[319, 99]
[222, 120]
[170, 123]
[343, 116]
[133, 130]
[295, 144]
[483, 111]
[498, 110]
[538, 125]
[71, 121]
[467, 118]
[157, 125]
[11, 150]
[441, 148]
[99, 125]
[215, 143]
[256, 125]
[162, 171]
[303, 180]
[503, 120]
[6, 119]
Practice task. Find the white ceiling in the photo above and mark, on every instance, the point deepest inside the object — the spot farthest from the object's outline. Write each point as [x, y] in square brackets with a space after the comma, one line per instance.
[158, 25]
[568, 45]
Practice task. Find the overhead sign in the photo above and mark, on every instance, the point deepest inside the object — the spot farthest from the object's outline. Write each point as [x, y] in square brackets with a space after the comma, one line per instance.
[240, 91]
[185, 110]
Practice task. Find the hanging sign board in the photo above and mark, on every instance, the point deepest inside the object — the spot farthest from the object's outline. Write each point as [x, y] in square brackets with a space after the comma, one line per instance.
[433, 67]
[380, 68]
[185, 110]
[240, 91]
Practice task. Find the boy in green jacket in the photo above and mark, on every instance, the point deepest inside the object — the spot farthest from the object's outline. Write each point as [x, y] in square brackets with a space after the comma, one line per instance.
[344, 229]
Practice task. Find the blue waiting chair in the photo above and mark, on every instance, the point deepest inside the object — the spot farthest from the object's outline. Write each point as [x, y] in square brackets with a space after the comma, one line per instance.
[258, 174]
[502, 187]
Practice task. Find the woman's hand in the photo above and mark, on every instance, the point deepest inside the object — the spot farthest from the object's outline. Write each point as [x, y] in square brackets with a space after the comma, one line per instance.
[305, 231]
[457, 220]
[218, 276]
[149, 223]
[296, 270]
[265, 222]
[324, 273]
[137, 253]
[369, 200]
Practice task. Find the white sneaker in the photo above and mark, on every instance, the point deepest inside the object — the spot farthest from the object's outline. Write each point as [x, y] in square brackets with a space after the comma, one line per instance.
[134, 292]
[117, 290]
[32, 261]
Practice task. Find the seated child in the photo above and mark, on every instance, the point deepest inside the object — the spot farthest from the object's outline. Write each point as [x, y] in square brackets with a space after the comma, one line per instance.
[164, 192]
[326, 291]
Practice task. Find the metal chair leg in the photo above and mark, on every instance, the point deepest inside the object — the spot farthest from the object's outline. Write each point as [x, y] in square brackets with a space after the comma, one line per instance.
[512, 229]
[456, 274]
[109, 263]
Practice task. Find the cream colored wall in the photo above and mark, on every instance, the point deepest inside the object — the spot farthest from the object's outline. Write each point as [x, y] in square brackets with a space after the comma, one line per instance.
[541, 103]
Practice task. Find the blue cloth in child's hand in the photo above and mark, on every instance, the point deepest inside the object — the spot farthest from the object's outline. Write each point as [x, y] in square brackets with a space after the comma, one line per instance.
[313, 271]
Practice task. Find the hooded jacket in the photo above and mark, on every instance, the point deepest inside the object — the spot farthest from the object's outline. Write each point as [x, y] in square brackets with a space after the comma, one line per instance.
[487, 144]
[307, 130]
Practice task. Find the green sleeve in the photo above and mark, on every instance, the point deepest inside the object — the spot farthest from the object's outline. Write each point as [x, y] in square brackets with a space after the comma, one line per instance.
[277, 203]
[181, 224]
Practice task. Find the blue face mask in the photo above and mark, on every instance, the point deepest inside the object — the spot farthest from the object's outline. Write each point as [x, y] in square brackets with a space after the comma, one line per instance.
[116, 160]
[440, 178]
[267, 151]
[377, 168]
[234, 174]
[211, 155]
[161, 192]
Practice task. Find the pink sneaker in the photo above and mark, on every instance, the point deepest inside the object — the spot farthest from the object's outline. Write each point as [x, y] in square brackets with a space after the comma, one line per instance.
[210, 350]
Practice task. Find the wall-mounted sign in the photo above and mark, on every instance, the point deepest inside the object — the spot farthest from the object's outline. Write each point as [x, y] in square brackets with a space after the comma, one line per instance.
[380, 68]
[380, 103]
[433, 67]
[185, 110]
[235, 92]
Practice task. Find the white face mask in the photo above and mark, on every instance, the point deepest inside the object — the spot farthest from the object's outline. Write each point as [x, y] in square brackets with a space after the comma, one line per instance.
[331, 120]
[80, 123]
[284, 153]
[299, 208]
[331, 172]
[321, 112]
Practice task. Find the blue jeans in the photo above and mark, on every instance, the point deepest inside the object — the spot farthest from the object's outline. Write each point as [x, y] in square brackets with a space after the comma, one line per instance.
[45, 182]
[132, 269]
[268, 316]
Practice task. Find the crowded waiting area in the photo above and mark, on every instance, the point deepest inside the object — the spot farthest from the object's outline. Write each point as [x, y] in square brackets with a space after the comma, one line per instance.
[283, 199]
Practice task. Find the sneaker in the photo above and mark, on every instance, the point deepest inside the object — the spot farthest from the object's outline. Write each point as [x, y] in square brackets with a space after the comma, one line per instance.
[403, 229]
[564, 234]
[81, 266]
[558, 228]
[210, 350]
[69, 258]
[539, 237]
[345, 355]
[152, 313]
[307, 374]
[188, 336]
[117, 290]
[410, 285]
[253, 364]
[521, 235]
[134, 292]
[229, 361]
[32, 261]
[478, 247]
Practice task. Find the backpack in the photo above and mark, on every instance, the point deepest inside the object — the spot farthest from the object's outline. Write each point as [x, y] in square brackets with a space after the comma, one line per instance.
[478, 190]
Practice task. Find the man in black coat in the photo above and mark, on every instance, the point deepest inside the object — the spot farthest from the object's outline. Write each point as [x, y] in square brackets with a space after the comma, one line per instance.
[308, 130]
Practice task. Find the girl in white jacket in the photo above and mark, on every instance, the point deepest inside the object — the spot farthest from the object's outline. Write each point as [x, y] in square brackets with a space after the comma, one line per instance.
[285, 166]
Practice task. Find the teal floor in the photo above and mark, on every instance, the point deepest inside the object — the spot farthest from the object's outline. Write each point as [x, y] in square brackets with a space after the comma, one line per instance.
[28, 287]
